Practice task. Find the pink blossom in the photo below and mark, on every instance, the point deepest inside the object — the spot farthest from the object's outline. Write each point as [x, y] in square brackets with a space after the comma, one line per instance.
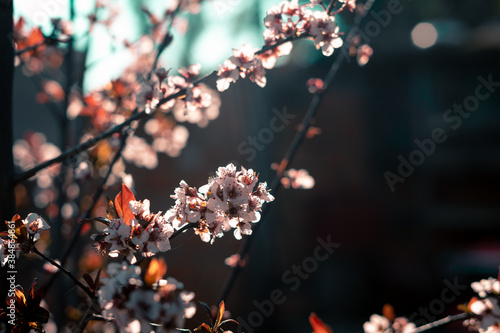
[35, 225]
[228, 73]
[377, 324]
[297, 179]
[227, 201]
[363, 54]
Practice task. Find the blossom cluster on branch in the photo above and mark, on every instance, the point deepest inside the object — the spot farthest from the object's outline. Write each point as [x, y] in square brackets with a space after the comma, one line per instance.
[21, 236]
[136, 300]
[284, 22]
[132, 228]
[485, 309]
[36, 50]
[227, 201]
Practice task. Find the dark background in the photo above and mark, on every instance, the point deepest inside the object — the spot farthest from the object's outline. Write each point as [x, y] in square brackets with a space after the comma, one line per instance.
[397, 247]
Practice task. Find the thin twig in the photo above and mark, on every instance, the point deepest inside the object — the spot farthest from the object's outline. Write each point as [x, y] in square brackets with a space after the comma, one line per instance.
[29, 48]
[86, 317]
[294, 146]
[92, 142]
[281, 42]
[440, 322]
[167, 39]
[34, 47]
[331, 5]
[137, 116]
[181, 230]
[86, 215]
[62, 269]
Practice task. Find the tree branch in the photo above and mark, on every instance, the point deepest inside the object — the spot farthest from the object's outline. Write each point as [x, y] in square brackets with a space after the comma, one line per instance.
[440, 322]
[138, 116]
[86, 215]
[62, 269]
[181, 230]
[295, 144]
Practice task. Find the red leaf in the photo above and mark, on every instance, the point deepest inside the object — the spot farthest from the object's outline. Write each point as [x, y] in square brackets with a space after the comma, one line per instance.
[121, 204]
[388, 312]
[318, 325]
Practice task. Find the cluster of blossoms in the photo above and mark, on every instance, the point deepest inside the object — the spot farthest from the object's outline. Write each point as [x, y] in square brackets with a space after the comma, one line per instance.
[21, 236]
[35, 50]
[135, 300]
[30, 151]
[297, 179]
[131, 229]
[485, 309]
[227, 201]
[119, 99]
[284, 22]
[381, 324]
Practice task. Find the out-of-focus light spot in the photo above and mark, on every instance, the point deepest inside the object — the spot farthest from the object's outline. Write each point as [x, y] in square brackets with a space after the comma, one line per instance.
[41, 200]
[424, 35]
[73, 191]
[67, 210]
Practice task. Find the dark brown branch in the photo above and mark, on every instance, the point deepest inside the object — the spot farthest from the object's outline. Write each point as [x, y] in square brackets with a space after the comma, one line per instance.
[86, 215]
[29, 48]
[184, 228]
[281, 42]
[441, 322]
[138, 116]
[78, 149]
[295, 144]
[62, 269]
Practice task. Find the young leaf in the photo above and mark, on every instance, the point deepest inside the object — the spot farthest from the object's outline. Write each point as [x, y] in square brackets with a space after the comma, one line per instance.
[121, 204]
[388, 312]
[222, 308]
[318, 325]
[209, 312]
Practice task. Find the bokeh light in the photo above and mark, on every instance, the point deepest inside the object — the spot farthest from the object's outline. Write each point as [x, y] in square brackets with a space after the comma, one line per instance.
[424, 35]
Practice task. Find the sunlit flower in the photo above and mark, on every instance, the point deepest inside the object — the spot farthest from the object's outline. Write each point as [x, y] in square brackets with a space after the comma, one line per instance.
[486, 286]
[363, 55]
[135, 300]
[132, 229]
[297, 179]
[377, 324]
[227, 201]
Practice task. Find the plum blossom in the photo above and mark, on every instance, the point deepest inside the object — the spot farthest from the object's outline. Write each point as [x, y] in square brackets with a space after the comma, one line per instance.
[227, 201]
[315, 85]
[486, 286]
[381, 324]
[363, 54]
[349, 4]
[145, 233]
[377, 324]
[487, 315]
[283, 22]
[325, 31]
[32, 150]
[228, 73]
[138, 151]
[35, 225]
[22, 237]
[485, 310]
[244, 63]
[297, 179]
[402, 325]
[4, 251]
[133, 301]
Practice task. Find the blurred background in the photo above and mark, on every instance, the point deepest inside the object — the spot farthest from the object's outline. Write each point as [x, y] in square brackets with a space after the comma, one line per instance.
[397, 246]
